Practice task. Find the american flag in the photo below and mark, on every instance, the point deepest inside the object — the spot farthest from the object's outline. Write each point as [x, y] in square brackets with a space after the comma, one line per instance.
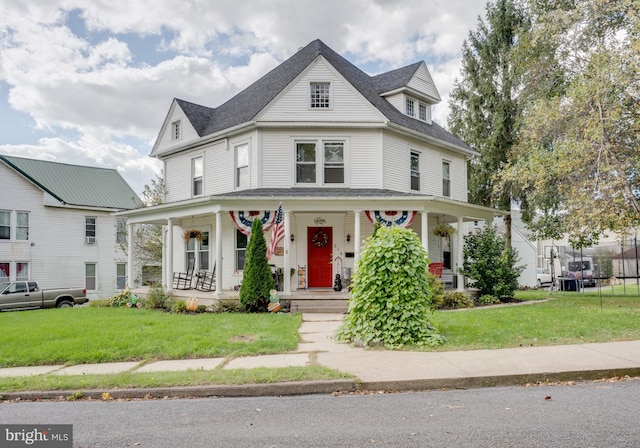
[277, 232]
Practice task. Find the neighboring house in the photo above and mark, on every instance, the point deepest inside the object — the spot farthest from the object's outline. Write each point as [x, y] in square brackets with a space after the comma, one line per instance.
[57, 227]
[335, 146]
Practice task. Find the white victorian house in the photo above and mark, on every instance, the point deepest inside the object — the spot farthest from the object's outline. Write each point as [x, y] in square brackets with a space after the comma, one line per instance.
[335, 147]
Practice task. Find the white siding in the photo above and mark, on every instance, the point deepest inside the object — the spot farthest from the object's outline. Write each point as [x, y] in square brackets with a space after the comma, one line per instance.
[346, 103]
[397, 161]
[56, 250]
[397, 101]
[166, 141]
[422, 82]
[178, 176]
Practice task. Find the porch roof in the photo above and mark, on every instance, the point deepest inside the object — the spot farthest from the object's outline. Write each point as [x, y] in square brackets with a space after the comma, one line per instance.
[302, 200]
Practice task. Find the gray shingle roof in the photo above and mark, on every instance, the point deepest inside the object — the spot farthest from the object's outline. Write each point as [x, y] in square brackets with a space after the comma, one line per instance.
[246, 105]
[77, 185]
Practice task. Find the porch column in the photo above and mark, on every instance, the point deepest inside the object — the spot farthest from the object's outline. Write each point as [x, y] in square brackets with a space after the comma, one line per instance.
[286, 289]
[218, 253]
[130, 274]
[424, 230]
[356, 238]
[169, 261]
[460, 255]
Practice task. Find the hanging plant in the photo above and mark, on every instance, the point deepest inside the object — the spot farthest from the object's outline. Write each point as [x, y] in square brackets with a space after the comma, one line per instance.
[192, 233]
[444, 230]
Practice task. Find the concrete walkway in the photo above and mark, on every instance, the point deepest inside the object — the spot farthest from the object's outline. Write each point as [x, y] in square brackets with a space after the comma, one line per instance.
[381, 369]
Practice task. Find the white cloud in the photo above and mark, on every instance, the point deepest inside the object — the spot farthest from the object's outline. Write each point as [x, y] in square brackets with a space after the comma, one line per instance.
[85, 90]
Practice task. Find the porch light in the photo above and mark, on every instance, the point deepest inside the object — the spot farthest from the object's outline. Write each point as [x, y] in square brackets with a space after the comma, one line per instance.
[292, 238]
[348, 238]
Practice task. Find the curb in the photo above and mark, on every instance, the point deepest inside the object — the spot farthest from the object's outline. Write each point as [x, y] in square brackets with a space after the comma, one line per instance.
[323, 387]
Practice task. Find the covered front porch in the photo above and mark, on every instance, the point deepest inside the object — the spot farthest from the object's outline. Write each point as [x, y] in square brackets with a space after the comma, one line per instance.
[323, 235]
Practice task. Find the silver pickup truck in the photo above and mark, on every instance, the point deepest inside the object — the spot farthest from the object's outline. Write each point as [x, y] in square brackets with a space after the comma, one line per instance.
[22, 295]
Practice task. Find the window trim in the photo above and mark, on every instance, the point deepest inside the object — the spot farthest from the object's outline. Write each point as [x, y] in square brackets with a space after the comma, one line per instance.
[95, 276]
[121, 231]
[18, 226]
[413, 153]
[238, 167]
[317, 100]
[409, 106]
[90, 239]
[237, 249]
[320, 163]
[123, 277]
[8, 225]
[197, 180]
[176, 130]
[446, 182]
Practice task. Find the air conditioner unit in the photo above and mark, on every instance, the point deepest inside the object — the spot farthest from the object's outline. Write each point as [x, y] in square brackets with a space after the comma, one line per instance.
[90, 240]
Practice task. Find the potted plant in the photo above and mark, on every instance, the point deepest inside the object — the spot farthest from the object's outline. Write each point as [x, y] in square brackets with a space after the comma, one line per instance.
[444, 230]
[192, 233]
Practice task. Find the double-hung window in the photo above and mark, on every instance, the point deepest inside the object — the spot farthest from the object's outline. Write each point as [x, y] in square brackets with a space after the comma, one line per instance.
[306, 163]
[196, 176]
[203, 251]
[410, 107]
[121, 231]
[320, 95]
[241, 249]
[22, 226]
[333, 162]
[90, 276]
[422, 112]
[121, 276]
[4, 271]
[90, 230]
[415, 171]
[320, 167]
[446, 179]
[22, 271]
[5, 225]
[242, 166]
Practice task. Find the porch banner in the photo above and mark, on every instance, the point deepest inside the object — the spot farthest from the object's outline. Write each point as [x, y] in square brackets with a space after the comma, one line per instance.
[243, 220]
[391, 217]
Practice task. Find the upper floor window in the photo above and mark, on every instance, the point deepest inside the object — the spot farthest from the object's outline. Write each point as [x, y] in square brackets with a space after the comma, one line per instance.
[5, 225]
[446, 179]
[333, 162]
[176, 130]
[415, 171]
[422, 112]
[121, 231]
[329, 162]
[320, 95]
[306, 163]
[410, 107]
[242, 166]
[22, 226]
[90, 230]
[196, 175]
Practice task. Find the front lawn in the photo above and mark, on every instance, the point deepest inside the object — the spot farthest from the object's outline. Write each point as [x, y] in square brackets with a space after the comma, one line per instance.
[569, 318]
[93, 335]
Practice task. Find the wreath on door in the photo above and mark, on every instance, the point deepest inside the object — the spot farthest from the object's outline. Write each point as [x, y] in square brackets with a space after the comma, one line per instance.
[320, 239]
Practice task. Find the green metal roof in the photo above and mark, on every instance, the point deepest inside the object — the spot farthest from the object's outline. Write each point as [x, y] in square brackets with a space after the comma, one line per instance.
[77, 185]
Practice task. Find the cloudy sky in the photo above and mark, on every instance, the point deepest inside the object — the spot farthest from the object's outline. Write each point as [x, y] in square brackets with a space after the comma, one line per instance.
[90, 82]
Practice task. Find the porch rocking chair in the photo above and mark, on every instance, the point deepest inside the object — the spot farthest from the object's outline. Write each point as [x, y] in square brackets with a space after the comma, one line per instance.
[205, 280]
[182, 280]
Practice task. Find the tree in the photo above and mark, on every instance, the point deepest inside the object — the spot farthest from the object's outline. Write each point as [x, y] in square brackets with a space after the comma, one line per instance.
[257, 280]
[484, 103]
[391, 293]
[490, 263]
[577, 159]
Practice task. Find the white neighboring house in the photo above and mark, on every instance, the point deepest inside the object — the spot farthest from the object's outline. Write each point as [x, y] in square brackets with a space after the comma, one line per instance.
[57, 227]
[334, 146]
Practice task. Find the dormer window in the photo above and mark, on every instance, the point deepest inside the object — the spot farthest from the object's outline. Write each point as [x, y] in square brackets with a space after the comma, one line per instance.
[320, 95]
[410, 107]
[175, 130]
[422, 112]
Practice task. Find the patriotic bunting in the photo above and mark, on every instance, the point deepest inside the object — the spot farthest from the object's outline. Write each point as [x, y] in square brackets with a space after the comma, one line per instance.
[243, 220]
[391, 218]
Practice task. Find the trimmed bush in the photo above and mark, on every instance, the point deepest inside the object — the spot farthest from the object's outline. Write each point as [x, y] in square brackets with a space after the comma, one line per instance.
[391, 293]
[487, 299]
[157, 298]
[257, 280]
[453, 300]
[228, 306]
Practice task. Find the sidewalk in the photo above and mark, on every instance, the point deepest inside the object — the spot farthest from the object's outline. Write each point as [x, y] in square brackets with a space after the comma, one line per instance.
[377, 369]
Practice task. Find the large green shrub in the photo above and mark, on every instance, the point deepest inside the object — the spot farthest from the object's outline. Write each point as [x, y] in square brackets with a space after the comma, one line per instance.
[490, 264]
[257, 279]
[391, 295]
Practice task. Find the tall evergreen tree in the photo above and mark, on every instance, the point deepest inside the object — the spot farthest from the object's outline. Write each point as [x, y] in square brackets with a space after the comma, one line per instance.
[257, 280]
[484, 103]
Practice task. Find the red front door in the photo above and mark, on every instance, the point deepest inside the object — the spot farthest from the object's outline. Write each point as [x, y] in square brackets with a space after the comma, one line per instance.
[320, 244]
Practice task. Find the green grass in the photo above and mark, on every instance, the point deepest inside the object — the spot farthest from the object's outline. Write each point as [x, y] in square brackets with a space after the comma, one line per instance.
[94, 335]
[570, 318]
[131, 380]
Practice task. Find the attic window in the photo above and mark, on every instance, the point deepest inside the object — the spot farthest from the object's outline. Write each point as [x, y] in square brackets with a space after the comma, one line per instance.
[410, 107]
[320, 95]
[175, 130]
[422, 112]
